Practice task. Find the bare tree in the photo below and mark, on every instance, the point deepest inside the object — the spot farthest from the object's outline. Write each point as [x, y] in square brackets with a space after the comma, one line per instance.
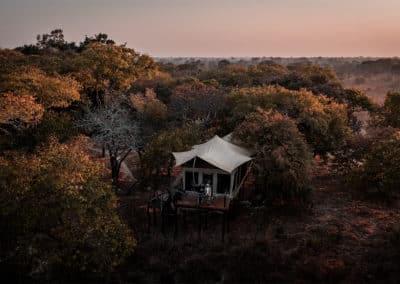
[114, 128]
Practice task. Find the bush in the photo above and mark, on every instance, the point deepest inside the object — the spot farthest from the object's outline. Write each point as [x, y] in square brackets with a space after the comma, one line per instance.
[391, 110]
[381, 167]
[283, 159]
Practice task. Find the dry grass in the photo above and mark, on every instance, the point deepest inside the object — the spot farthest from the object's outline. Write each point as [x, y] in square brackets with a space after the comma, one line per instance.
[335, 241]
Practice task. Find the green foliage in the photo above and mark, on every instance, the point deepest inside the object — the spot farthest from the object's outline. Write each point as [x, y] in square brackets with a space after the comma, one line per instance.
[157, 153]
[162, 84]
[359, 100]
[323, 122]
[391, 110]
[283, 159]
[55, 39]
[195, 100]
[106, 68]
[60, 125]
[380, 170]
[150, 111]
[58, 211]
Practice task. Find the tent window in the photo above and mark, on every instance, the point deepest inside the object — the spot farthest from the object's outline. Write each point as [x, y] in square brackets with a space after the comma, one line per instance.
[223, 184]
[189, 181]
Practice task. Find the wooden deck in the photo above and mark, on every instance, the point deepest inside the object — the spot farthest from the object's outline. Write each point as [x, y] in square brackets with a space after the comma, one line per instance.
[190, 200]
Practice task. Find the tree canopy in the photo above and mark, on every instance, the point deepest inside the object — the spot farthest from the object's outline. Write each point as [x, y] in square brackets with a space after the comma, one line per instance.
[51, 91]
[106, 68]
[283, 159]
[380, 167]
[323, 122]
[391, 110]
[62, 211]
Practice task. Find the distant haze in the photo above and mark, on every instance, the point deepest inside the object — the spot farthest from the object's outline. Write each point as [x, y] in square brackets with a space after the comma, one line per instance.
[219, 28]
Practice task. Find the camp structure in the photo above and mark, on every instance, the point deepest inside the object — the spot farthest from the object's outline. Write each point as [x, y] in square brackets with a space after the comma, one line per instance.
[217, 167]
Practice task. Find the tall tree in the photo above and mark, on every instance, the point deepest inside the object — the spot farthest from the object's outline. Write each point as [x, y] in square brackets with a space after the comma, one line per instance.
[114, 128]
[196, 101]
[282, 157]
[53, 91]
[324, 122]
[18, 112]
[106, 69]
[63, 212]
[391, 110]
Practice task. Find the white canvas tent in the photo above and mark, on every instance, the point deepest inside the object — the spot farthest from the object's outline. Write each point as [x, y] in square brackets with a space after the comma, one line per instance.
[217, 162]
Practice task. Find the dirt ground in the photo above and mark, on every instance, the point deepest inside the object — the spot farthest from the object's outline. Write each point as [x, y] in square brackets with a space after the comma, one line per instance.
[342, 237]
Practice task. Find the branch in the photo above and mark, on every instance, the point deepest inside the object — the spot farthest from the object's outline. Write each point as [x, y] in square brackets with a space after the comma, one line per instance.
[126, 155]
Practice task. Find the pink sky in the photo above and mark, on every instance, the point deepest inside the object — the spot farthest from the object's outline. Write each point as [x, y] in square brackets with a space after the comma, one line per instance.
[215, 27]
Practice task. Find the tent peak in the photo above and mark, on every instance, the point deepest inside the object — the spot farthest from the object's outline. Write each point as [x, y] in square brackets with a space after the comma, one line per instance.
[217, 152]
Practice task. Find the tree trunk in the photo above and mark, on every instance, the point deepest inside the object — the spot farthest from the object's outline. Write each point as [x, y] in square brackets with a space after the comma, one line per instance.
[114, 169]
[141, 165]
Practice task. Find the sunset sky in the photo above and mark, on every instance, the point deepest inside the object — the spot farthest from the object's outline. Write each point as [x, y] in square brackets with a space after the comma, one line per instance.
[215, 27]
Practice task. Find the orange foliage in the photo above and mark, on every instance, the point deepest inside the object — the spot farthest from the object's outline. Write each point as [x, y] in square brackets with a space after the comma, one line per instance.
[22, 108]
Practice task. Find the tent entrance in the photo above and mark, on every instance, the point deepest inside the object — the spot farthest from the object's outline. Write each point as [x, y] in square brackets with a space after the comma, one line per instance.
[223, 184]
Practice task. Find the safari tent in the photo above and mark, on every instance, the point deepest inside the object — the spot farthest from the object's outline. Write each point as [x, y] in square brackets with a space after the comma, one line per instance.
[217, 164]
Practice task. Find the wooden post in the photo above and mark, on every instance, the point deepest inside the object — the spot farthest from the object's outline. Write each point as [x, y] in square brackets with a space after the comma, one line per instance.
[227, 221]
[162, 221]
[148, 218]
[176, 224]
[154, 217]
[199, 225]
[223, 226]
[184, 220]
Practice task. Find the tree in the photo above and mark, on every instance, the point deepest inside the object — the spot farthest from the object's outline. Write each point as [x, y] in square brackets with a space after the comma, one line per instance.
[18, 112]
[196, 101]
[266, 73]
[157, 153]
[58, 212]
[283, 159]
[323, 121]
[162, 83]
[150, 111]
[391, 110]
[55, 39]
[106, 69]
[358, 101]
[50, 91]
[232, 75]
[27, 94]
[380, 168]
[99, 38]
[10, 60]
[114, 128]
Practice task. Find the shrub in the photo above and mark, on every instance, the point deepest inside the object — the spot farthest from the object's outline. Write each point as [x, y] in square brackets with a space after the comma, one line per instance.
[283, 159]
[381, 167]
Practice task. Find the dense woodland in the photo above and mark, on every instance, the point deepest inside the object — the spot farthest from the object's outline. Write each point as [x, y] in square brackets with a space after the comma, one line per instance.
[75, 116]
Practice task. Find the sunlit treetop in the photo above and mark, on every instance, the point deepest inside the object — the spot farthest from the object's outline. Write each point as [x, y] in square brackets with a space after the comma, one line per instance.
[17, 110]
[50, 91]
[107, 66]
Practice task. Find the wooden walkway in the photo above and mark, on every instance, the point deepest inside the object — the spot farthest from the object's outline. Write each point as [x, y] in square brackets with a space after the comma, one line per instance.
[190, 200]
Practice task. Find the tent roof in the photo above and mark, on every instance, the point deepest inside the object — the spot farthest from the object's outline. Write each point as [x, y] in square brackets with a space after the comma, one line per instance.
[217, 152]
